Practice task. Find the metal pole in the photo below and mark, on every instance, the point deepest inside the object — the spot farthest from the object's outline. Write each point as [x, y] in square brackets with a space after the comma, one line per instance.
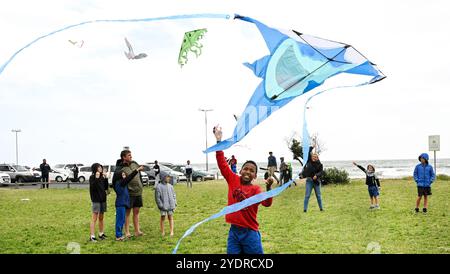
[206, 138]
[17, 150]
[435, 169]
[206, 133]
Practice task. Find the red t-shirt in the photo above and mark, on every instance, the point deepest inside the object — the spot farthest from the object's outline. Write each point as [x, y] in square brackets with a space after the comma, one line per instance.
[238, 192]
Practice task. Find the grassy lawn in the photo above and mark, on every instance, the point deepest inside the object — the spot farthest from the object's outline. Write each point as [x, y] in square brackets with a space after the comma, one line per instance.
[53, 218]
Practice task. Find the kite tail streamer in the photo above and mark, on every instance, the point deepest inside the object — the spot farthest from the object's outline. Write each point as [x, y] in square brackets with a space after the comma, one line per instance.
[174, 17]
[236, 207]
[268, 194]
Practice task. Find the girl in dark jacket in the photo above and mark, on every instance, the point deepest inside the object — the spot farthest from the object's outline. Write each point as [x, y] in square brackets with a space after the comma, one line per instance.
[373, 185]
[98, 187]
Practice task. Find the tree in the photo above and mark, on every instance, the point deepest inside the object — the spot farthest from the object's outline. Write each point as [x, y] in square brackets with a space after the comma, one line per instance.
[295, 145]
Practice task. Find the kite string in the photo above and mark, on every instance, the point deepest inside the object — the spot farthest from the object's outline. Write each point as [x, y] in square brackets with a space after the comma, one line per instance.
[173, 17]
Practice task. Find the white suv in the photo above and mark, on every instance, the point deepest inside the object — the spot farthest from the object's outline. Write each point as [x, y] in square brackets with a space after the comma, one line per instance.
[5, 179]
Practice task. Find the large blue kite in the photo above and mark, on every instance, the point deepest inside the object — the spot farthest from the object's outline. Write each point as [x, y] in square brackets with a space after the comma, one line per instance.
[297, 63]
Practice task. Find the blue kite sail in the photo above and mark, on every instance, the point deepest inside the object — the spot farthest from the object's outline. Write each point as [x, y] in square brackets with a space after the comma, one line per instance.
[297, 63]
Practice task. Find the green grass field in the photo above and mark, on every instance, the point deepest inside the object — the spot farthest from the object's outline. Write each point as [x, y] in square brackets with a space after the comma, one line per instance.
[53, 218]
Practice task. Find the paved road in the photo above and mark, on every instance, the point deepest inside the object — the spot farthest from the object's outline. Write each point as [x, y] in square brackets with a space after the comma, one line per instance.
[51, 185]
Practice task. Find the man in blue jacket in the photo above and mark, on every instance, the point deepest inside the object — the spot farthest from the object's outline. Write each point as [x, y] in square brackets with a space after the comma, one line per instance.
[424, 177]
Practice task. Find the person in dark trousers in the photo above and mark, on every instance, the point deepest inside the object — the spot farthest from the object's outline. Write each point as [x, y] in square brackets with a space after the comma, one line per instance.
[312, 171]
[157, 170]
[188, 173]
[284, 171]
[123, 200]
[45, 170]
[373, 185]
[75, 171]
[424, 176]
[272, 166]
[98, 188]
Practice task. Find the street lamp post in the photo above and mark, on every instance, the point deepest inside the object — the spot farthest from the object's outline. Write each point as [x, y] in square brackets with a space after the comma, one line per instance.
[17, 150]
[17, 146]
[206, 132]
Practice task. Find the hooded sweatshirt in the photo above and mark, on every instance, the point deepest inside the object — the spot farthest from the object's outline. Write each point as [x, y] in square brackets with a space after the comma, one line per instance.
[135, 186]
[424, 173]
[165, 196]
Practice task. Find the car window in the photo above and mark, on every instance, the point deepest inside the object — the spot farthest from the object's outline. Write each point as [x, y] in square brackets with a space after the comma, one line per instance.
[4, 168]
[20, 168]
[59, 166]
[85, 169]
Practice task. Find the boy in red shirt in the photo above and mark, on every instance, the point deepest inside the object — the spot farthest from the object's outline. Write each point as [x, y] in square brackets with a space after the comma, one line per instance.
[244, 236]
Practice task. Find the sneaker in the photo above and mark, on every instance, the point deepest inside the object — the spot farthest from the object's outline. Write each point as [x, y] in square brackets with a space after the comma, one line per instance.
[321, 209]
[424, 210]
[120, 239]
[304, 210]
[417, 210]
[377, 207]
[102, 237]
[93, 239]
[371, 207]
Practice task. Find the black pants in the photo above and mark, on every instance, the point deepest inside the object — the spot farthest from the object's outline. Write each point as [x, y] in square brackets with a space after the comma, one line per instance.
[44, 180]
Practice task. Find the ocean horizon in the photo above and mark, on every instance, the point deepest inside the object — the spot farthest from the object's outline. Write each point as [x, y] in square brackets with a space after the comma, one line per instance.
[397, 168]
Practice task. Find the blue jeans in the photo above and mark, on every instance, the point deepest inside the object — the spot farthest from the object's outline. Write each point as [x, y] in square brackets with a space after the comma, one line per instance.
[120, 220]
[243, 240]
[309, 186]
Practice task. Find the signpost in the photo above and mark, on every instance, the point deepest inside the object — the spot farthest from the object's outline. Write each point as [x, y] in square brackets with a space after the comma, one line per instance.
[434, 145]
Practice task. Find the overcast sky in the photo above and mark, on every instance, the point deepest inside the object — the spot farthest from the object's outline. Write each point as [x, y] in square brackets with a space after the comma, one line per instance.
[84, 104]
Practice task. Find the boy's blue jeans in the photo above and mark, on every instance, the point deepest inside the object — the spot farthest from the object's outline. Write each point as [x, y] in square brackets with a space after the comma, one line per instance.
[120, 220]
[243, 240]
[309, 186]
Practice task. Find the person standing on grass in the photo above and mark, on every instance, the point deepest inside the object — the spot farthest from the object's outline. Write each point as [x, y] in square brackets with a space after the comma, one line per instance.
[188, 173]
[135, 188]
[373, 185]
[98, 187]
[424, 176]
[244, 236]
[45, 171]
[312, 171]
[233, 164]
[123, 200]
[272, 166]
[157, 170]
[166, 201]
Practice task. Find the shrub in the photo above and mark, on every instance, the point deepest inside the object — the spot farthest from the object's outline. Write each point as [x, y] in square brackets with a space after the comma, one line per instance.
[443, 177]
[335, 176]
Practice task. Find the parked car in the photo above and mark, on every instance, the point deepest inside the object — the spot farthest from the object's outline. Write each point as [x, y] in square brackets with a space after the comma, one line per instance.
[19, 173]
[176, 175]
[86, 172]
[67, 168]
[53, 175]
[197, 175]
[5, 179]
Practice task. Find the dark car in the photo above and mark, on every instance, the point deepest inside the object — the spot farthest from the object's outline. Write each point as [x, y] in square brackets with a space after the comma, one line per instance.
[197, 175]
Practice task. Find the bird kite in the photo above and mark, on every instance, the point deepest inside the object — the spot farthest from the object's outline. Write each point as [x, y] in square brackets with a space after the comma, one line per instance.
[130, 54]
[77, 43]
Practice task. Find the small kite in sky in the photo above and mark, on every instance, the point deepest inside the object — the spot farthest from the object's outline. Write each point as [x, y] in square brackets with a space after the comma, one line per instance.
[191, 43]
[130, 53]
[77, 43]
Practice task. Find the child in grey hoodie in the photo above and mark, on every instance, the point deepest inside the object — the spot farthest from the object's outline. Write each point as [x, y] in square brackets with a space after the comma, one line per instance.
[166, 201]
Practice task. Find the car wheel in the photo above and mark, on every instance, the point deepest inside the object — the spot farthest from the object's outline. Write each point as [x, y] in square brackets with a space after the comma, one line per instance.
[59, 179]
[198, 179]
[81, 179]
[20, 180]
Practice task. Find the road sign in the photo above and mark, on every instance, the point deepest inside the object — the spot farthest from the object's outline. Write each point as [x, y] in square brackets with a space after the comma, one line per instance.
[433, 142]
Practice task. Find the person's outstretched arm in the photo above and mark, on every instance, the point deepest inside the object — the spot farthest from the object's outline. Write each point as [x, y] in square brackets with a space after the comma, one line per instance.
[360, 167]
[225, 169]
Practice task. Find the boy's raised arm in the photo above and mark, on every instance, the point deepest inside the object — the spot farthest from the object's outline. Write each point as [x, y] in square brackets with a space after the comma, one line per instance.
[221, 162]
